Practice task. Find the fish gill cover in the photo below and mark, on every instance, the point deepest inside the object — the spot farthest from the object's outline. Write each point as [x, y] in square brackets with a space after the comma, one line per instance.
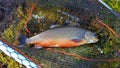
[25, 18]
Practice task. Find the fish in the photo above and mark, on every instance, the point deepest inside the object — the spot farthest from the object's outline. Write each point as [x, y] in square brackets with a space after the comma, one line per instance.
[63, 37]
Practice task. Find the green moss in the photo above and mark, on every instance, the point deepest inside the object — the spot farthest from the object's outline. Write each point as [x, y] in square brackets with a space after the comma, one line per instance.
[107, 41]
[114, 4]
[9, 34]
[9, 61]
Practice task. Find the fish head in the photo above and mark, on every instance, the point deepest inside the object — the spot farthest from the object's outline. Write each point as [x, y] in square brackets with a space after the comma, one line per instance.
[91, 37]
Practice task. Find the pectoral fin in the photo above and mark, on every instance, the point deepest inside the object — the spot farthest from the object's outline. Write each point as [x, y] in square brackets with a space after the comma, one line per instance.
[77, 40]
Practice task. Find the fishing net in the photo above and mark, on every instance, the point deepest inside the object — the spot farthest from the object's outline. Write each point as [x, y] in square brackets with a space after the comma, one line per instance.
[25, 18]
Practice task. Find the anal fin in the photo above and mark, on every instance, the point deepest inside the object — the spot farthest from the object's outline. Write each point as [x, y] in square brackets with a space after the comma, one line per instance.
[37, 47]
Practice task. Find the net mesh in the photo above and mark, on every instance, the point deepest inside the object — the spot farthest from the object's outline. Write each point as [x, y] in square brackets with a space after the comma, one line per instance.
[16, 16]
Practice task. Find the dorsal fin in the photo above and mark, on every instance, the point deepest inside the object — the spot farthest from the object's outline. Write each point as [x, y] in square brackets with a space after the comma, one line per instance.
[54, 26]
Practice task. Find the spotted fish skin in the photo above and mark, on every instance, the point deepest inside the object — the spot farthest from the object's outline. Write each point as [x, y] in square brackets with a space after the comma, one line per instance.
[63, 37]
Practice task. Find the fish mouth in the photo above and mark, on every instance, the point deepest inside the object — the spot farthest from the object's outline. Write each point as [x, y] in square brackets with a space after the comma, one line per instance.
[94, 40]
[91, 37]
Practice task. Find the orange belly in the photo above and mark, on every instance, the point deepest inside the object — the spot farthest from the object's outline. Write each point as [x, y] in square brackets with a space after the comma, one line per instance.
[58, 43]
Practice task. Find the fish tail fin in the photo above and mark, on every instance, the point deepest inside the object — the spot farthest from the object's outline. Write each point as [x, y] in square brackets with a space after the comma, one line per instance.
[22, 40]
